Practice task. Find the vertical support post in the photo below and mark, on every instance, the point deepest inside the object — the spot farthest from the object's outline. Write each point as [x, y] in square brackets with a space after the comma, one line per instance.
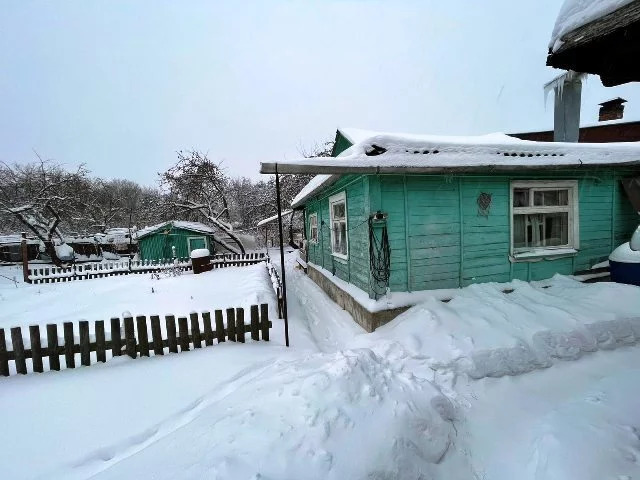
[25, 258]
[284, 275]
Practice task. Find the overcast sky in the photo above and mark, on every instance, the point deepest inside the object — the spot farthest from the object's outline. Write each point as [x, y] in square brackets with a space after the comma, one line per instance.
[121, 86]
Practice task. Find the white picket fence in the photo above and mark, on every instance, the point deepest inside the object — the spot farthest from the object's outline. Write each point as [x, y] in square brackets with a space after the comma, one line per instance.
[85, 271]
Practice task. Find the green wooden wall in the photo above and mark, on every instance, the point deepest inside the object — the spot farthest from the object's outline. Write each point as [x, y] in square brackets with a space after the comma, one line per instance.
[158, 245]
[439, 240]
[356, 268]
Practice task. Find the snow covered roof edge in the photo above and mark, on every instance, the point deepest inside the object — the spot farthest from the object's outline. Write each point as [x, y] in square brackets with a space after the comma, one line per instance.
[430, 154]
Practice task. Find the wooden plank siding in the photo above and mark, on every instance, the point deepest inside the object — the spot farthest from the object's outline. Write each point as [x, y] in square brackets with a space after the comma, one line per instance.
[439, 239]
[158, 244]
[356, 268]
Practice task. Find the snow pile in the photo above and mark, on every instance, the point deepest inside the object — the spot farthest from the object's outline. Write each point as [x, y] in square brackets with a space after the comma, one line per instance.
[484, 332]
[64, 252]
[200, 253]
[625, 254]
[349, 414]
[576, 13]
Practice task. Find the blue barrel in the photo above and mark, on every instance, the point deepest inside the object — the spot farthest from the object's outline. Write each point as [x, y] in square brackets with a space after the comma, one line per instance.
[624, 265]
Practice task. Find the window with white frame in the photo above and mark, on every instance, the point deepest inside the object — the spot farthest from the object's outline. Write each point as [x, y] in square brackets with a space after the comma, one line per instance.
[338, 215]
[313, 227]
[544, 216]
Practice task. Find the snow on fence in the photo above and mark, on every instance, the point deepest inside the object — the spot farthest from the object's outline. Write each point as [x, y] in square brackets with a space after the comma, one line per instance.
[74, 272]
[277, 285]
[142, 337]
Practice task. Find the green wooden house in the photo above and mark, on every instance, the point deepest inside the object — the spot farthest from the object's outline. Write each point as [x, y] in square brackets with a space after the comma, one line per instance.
[452, 211]
[174, 239]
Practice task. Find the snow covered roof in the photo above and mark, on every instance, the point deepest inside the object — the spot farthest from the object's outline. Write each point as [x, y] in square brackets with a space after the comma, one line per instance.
[193, 226]
[577, 13]
[273, 218]
[405, 153]
[13, 239]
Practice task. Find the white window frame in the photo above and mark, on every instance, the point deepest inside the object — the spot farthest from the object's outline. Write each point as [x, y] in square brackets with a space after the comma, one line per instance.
[572, 209]
[339, 198]
[311, 217]
[196, 238]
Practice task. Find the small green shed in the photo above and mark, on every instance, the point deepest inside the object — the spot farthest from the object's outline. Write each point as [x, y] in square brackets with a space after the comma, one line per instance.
[175, 237]
[419, 212]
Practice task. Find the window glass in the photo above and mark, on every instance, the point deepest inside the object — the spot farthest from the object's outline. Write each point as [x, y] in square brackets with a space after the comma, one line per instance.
[520, 197]
[550, 198]
[338, 227]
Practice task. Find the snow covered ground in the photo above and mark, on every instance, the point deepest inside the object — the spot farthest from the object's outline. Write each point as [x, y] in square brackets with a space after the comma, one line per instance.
[340, 403]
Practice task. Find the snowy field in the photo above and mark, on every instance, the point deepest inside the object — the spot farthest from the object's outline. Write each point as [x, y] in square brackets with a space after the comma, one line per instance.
[540, 383]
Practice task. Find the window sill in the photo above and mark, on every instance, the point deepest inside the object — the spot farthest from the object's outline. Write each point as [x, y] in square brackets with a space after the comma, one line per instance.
[341, 258]
[542, 254]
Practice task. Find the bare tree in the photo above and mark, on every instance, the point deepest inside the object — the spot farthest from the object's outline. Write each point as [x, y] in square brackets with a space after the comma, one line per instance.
[40, 196]
[196, 187]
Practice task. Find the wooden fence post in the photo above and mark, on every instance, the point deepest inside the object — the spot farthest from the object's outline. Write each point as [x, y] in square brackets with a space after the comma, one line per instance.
[240, 329]
[24, 250]
[4, 361]
[101, 353]
[231, 324]
[156, 334]
[36, 348]
[143, 335]
[264, 321]
[18, 350]
[68, 345]
[183, 328]
[129, 337]
[116, 337]
[208, 331]
[195, 330]
[219, 326]
[171, 333]
[85, 353]
[52, 346]
[255, 323]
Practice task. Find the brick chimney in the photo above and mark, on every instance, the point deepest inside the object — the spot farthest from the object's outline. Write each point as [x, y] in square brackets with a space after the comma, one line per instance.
[612, 109]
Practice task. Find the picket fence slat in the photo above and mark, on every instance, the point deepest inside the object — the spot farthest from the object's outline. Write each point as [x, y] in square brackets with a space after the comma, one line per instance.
[240, 325]
[220, 333]
[4, 359]
[101, 353]
[116, 337]
[69, 342]
[156, 334]
[143, 339]
[183, 333]
[195, 330]
[52, 345]
[171, 334]
[36, 348]
[18, 350]
[129, 337]
[208, 331]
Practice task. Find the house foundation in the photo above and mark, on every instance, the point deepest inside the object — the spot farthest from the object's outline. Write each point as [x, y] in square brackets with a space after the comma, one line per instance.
[366, 319]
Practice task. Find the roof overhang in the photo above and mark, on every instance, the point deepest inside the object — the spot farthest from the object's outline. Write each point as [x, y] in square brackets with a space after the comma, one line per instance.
[608, 47]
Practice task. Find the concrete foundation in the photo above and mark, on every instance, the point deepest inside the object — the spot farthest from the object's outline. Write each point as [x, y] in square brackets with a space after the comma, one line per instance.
[366, 319]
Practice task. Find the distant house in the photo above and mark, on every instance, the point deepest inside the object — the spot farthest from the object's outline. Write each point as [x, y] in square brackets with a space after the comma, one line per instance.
[174, 238]
[416, 212]
[605, 132]
[11, 248]
[118, 241]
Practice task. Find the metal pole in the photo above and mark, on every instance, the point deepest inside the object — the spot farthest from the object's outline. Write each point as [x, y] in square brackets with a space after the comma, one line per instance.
[284, 276]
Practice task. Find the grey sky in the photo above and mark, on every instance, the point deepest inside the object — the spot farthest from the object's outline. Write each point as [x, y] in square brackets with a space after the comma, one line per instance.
[121, 86]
